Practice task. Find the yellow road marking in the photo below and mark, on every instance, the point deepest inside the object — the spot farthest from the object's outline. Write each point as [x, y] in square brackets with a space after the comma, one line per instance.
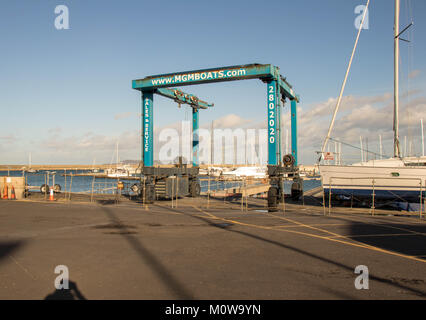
[392, 227]
[378, 235]
[356, 244]
[304, 225]
[22, 267]
[316, 225]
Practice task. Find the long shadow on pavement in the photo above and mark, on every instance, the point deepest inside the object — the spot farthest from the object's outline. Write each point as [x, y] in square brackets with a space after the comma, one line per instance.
[408, 239]
[6, 248]
[167, 277]
[276, 243]
[73, 293]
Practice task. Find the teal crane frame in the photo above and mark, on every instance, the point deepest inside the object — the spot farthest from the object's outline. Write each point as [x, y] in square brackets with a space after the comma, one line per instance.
[278, 90]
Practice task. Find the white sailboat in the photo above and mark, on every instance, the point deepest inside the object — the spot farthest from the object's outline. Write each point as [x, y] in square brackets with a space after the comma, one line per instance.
[401, 179]
[252, 171]
[120, 170]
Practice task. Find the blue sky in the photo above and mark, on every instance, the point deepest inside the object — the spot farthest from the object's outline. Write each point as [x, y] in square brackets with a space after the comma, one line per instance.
[62, 86]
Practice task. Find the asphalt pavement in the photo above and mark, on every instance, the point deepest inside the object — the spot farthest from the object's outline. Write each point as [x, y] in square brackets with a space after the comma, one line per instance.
[131, 251]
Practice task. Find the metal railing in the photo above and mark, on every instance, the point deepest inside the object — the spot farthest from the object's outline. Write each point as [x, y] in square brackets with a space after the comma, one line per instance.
[373, 194]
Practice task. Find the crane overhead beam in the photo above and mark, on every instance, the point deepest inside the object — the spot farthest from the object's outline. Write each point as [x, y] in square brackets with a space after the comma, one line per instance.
[264, 72]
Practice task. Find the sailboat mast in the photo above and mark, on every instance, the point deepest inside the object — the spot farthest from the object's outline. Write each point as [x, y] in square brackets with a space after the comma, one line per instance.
[118, 159]
[423, 138]
[397, 152]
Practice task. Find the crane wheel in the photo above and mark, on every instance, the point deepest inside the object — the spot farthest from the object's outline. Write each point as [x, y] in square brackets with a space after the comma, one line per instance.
[272, 199]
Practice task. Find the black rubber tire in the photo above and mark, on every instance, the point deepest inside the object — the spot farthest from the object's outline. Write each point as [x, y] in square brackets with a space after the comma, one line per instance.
[135, 188]
[44, 188]
[272, 199]
[280, 197]
[288, 160]
[149, 194]
[296, 191]
[194, 189]
[57, 188]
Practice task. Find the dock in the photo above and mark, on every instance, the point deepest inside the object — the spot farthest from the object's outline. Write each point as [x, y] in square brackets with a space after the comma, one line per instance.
[315, 192]
[241, 191]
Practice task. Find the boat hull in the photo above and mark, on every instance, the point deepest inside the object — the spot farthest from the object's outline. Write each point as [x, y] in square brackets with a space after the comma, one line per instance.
[386, 183]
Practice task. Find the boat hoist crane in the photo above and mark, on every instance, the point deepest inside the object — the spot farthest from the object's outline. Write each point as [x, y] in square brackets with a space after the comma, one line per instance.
[159, 181]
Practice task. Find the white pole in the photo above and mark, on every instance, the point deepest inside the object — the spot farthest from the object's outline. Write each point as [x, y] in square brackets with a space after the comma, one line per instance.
[245, 146]
[340, 153]
[423, 138]
[397, 152]
[344, 82]
[335, 152]
[405, 146]
[328, 150]
[380, 146]
[366, 147]
[362, 151]
[118, 159]
[211, 143]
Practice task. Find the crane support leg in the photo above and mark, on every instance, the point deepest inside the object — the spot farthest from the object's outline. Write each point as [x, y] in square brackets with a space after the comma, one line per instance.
[275, 192]
[272, 118]
[279, 154]
[147, 129]
[195, 138]
[175, 181]
[294, 129]
[281, 169]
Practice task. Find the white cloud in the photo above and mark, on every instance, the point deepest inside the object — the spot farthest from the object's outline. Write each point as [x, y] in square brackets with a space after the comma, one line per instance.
[350, 102]
[231, 121]
[11, 138]
[414, 74]
[125, 115]
[91, 141]
[361, 116]
[56, 130]
[367, 116]
[87, 146]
